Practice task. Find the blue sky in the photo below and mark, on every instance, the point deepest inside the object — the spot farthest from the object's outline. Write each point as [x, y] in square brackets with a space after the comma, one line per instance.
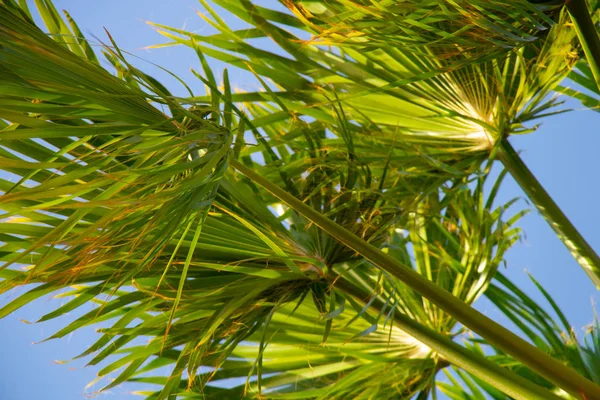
[562, 154]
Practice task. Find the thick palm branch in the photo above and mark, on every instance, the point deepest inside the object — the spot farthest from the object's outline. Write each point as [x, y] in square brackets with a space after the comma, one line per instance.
[135, 209]
[444, 101]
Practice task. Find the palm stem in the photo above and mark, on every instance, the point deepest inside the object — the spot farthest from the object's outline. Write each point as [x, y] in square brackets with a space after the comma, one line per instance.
[476, 364]
[587, 34]
[494, 333]
[570, 236]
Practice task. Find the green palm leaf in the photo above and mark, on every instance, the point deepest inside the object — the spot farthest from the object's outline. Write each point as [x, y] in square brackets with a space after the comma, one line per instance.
[480, 29]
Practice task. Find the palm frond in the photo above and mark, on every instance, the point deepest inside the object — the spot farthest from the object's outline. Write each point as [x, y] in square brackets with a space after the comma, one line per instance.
[98, 168]
[351, 329]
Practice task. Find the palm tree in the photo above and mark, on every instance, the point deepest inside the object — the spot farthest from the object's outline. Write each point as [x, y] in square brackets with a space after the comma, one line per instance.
[286, 265]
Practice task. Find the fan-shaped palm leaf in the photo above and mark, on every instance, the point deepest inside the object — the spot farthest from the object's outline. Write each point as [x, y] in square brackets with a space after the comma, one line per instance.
[98, 169]
[475, 26]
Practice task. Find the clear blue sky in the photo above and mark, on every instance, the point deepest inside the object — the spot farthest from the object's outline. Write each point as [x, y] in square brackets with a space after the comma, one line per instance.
[562, 154]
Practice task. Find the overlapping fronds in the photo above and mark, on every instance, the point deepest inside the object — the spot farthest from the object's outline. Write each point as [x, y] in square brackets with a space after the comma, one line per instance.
[103, 189]
[357, 181]
[441, 100]
[460, 250]
[115, 234]
[118, 194]
[287, 354]
[314, 337]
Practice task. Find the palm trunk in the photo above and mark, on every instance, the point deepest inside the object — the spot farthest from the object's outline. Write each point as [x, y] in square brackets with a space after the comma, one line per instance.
[587, 34]
[540, 362]
[570, 236]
